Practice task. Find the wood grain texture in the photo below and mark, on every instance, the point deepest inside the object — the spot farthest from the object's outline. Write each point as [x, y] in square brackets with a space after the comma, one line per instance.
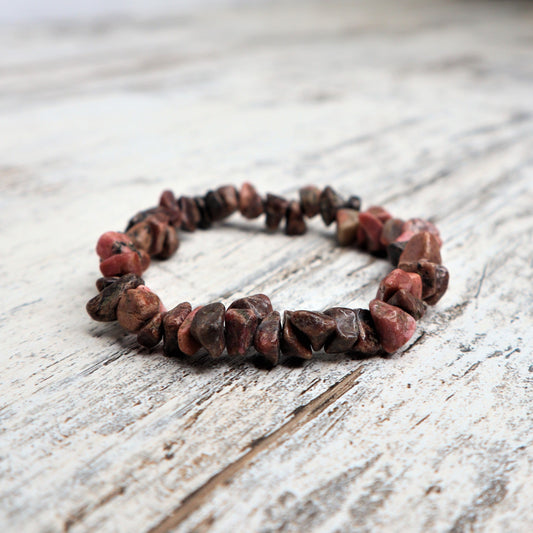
[424, 107]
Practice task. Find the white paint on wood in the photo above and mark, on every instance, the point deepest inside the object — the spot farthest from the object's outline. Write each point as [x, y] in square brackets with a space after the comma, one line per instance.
[426, 108]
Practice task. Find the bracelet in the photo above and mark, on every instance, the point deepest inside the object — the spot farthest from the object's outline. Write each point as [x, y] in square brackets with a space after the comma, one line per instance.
[412, 246]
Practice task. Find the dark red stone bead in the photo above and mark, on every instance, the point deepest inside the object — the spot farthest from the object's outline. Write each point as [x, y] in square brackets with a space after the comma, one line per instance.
[392, 229]
[347, 225]
[394, 251]
[399, 279]
[120, 264]
[172, 322]
[422, 246]
[346, 330]
[169, 204]
[102, 283]
[208, 328]
[416, 225]
[435, 279]
[250, 203]
[275, 209]
[368, 340]
[136, 307]
[170, 244]
[295, 224]
[205, 220]
[267, 337]
[151, 333]
[190, 214]
[241, 325]
[394, 326]
[215, 206]
[329, 202]
[103, 307]
[293, 342]
[310, 200]
[369, 235]
[317, 327]
[260, 304]
[406, 301]
[380, 213]
[230, 199]
[186, 342]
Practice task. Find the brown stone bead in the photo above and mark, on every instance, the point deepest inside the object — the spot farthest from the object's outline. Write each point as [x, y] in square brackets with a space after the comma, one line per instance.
[171, 325]
[120, 264]
[186, 342]
[416, 225]
[317, 327]
[103, 307]
[347, 224]
[142, 235]
[394, 326]
[369, 235]
[151, 333]
[143, 215]
[406, 301]
[241, 325]
[208, 328]
[353, 202]
[170, 244]
[260, 304]
[205, 220]
[346, 330]
[275, 210]
[168, 202]
[392, 229]
[230, 199]
[102, 283]
[295, 223]
[368, 340]
[310, 200]
[422, 246]
[190, 214]
[394, 251]
[214, 205]
[250, 203]
[267, 337]
[435, 279]
[293, 342]
[136, 307]
[380, 213]
[399, 279]
[329, 202]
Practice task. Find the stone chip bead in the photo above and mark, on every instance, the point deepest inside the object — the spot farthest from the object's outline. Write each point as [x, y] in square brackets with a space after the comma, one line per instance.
[422, 246]
[190, 214]
[275, 210]
[416, 225]
[399, 279]
[205, 220]
[187, 344]
[392, 229]
[136, 307]
[125, 263]
[394, 326]
[103, 307]
[406, 301]
[168, 202]
[317, 327]
[250, 203]
[152, 332]
[267, 337]
[368, 341]
[241, 325]
[435, 279]
[347, 226]
[230, 199]
[294, 343]
[329, 202]
[260, 304]
[369, 232]
[172, 322]
[295, 223]
[346, 330]
[207, 328]
[310, 200]
[112, 243]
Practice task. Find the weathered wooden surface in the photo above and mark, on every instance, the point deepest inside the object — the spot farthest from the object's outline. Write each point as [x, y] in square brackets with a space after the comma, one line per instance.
[426, 107]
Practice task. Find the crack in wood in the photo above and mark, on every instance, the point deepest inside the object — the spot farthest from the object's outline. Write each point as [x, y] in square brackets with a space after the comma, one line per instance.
[300, 417]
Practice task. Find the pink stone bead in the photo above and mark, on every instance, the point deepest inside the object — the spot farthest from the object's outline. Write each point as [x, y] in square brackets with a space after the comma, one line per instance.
[394, 326]
[399, 280]
[371, 228]
[120, 264]
[111, 243]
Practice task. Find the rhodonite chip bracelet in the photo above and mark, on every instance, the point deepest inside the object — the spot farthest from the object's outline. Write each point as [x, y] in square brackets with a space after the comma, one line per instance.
[250, 323]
